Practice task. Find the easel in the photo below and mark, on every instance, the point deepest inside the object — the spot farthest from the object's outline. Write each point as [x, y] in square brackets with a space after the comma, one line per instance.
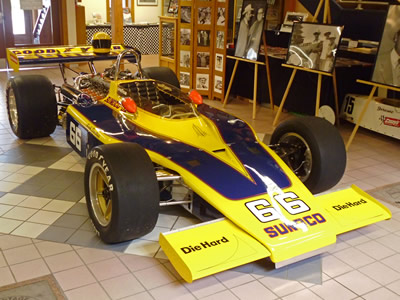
[256, 63]
[327, 19]
[364, 109]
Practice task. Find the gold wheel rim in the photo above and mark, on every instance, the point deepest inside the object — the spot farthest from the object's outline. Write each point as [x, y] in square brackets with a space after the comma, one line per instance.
[12, 110]
[100, 195]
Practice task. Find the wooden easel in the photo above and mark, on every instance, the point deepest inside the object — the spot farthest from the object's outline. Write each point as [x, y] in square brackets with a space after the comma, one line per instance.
[327, 19]
[256, 63]
[364, 109]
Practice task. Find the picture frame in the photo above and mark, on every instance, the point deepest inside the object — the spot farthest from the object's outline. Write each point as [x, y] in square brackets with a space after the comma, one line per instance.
[314, 46]
[218, 84]
[290, 18]
[186, 14]
[184, 79]
[220, 40]
[251, 27]
[185, 36]
[219, 62]
[184, 58]
[203, 60]
[387, 68]
[203, 38]
[221, 16]
[173, 6]
[204, 15]
[147, 2]
[202, 81]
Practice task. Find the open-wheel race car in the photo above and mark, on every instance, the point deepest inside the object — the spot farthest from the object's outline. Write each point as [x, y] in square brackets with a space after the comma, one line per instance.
[144, 139]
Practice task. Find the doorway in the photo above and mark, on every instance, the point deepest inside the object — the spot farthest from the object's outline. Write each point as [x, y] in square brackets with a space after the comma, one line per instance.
[25, 26]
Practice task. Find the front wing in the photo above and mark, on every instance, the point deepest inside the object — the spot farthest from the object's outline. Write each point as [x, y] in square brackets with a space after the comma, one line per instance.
[215, 246]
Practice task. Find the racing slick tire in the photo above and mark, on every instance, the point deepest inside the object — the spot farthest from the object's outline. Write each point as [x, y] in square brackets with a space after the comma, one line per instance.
[31, 106]
[313, 148]
[121, 190]
[162, 74]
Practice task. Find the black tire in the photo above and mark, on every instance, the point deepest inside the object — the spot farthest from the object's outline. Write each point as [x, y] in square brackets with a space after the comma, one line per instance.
[162, 74]
[316, 151]
[31, 106]
[121, 176]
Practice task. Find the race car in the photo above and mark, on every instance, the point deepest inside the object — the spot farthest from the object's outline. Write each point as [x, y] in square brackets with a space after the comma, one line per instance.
[145, 142]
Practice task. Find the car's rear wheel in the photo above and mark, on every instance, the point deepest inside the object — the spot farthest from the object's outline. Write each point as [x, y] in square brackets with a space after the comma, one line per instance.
[31, 106]
[162, 74]
[313, 149]
[122, 193]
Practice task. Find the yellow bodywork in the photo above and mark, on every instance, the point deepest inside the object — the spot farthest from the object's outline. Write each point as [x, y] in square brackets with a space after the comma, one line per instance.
[305, 224]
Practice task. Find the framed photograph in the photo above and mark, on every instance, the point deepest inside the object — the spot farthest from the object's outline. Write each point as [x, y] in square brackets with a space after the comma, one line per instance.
[221, 16]
[251, 27]
[292, 17]
[185, 36]
[219, 62]
[185, 59]
[204, 15]
[202, 81]
[186, 14]
[387, 63]
[147, 2]
[173, 6]
[203, 60]
[203, 38]
[220, 42]
[218, 84]
[314, 46]
[184, 79]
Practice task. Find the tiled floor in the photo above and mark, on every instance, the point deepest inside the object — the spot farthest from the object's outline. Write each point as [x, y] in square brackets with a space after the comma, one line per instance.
[44, 229]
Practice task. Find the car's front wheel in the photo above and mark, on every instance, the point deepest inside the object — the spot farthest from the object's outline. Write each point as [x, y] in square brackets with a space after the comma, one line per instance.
[122, 193]
[313, 149]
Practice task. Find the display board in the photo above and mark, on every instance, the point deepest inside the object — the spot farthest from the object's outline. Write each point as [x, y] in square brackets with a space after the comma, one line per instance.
[202, 31]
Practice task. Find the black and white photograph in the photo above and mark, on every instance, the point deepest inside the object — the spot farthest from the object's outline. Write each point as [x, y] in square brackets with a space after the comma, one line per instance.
[220, 42]
[218, 84]
[203, 38]
[219, 62]
[251, 27]
[314, 46]
[173, 6]
[387, 64]
[186, 14]
[204, 16]
[185, 59]
[184, 79]
[221, 16]
[185, 36]
[202, 81]
[203, 60]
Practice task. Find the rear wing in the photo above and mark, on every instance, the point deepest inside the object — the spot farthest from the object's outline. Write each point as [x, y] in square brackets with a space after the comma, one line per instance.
[17, 57]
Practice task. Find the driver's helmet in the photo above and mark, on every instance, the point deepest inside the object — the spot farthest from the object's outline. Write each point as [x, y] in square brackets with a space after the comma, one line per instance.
[101, 43]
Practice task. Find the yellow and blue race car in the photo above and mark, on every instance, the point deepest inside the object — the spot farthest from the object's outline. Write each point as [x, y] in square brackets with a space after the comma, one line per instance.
[145, 142]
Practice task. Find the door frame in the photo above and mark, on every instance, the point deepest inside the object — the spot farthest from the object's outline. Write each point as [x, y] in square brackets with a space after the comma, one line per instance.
[59, 20]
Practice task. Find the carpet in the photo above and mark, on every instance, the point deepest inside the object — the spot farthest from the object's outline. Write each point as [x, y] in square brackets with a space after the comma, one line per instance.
[41, 288]
[388, 193]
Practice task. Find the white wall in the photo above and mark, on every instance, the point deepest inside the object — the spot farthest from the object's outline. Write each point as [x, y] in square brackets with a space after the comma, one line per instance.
[147, 14]
[95, 6]
[143, 14]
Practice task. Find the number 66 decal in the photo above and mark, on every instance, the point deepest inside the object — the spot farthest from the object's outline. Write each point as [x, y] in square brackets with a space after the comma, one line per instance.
[75, 136]
[265, 212]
